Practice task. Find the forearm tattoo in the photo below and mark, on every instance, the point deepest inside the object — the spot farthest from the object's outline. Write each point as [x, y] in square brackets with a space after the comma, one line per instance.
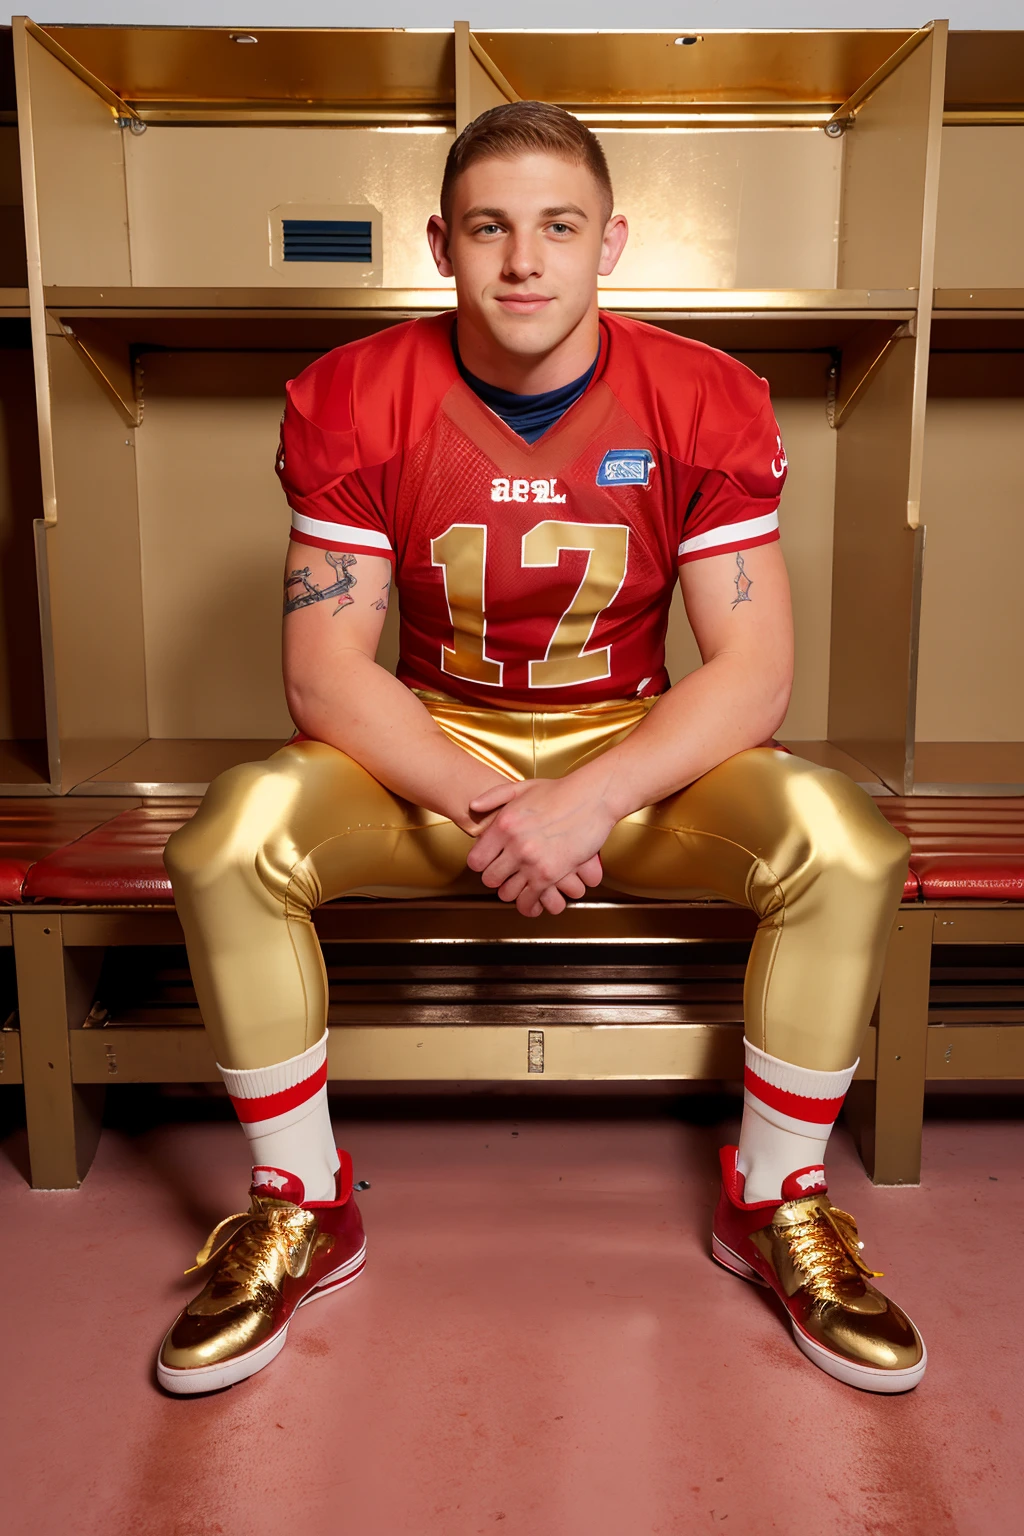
[311, 592]
[743, 583]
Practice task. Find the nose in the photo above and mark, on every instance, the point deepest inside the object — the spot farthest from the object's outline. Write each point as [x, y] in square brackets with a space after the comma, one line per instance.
[522, 257]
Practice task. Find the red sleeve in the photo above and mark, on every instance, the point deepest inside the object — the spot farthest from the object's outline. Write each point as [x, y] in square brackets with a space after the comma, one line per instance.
[736, 502]
[337, 502]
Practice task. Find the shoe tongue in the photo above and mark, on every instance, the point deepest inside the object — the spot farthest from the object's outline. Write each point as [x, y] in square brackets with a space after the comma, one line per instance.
[277, 1184]
[805, 1181]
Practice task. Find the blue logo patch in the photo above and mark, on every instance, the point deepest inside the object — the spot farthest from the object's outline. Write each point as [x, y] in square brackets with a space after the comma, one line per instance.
[626, 466]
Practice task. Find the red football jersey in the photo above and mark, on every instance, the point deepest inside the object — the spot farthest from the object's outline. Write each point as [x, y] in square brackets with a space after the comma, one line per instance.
[535, 574]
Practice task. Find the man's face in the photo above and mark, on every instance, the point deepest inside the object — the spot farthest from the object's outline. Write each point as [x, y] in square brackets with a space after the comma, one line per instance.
[526, 245]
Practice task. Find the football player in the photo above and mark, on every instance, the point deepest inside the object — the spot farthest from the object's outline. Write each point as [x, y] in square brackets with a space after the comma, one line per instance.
[533, 476]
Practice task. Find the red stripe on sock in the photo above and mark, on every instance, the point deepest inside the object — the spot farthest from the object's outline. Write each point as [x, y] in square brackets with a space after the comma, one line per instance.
[249, 1110]
[818, 1111]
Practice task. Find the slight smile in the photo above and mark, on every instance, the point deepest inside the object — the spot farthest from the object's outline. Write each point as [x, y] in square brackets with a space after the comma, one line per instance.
[524, 303]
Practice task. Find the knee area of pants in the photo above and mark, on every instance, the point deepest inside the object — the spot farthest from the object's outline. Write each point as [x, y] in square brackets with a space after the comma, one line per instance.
[239, 810]
[849, 833]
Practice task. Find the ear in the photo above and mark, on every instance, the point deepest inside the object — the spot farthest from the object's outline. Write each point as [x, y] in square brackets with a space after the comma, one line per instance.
[437, 239]
[616, 233]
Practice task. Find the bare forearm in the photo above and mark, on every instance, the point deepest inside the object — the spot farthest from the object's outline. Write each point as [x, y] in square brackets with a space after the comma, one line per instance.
[722, 708]
[365, 711]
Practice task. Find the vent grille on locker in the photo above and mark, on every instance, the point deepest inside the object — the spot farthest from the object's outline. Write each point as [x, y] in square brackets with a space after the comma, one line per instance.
[328, 240]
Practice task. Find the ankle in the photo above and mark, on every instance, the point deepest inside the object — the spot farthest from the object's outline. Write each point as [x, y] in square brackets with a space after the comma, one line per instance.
[284, 1112]
[788, 1114]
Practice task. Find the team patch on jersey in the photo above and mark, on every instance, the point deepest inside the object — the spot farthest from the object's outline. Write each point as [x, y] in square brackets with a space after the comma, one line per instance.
[626, 466]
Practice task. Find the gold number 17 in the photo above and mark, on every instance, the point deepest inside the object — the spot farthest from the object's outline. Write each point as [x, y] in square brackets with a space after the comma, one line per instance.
[461, 552]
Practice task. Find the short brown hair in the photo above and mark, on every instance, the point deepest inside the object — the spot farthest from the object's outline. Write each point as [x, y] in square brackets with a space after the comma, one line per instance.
[523, 128]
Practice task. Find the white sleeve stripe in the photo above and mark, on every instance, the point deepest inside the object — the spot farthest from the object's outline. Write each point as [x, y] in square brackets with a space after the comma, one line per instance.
[731, 533]
[368, 538]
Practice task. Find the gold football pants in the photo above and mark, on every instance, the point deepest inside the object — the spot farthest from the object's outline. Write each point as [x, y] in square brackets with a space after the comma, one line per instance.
[804, 847]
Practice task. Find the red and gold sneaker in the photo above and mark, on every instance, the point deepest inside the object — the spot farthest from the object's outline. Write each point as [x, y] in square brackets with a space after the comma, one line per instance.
[807, 1251]
[268, 1261]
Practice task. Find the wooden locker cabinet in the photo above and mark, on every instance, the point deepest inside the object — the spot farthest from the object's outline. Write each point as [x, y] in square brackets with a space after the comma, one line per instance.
[789, 203]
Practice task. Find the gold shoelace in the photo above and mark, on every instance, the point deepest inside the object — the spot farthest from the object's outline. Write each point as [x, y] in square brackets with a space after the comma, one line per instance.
[256, 1241]
[827, 1249]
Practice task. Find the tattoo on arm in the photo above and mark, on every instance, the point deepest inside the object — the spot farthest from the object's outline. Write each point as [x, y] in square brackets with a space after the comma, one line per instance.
[743, 583]
[311, 592]
[382, 602]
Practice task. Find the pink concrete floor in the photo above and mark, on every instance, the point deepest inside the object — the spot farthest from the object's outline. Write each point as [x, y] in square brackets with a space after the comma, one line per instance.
[540, 1346]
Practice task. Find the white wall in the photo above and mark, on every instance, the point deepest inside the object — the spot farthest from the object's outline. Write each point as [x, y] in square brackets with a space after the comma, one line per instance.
[594, 14]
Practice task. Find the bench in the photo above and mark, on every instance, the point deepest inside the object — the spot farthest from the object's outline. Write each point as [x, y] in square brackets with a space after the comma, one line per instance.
[431, 991]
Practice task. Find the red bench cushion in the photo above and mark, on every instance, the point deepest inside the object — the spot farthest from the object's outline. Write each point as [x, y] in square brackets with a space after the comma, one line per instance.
[962, 848]
[120, 861]
[32, 829]
[984, 877]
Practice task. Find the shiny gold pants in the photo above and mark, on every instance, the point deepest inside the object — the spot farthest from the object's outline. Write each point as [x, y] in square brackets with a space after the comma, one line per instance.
[802, 846]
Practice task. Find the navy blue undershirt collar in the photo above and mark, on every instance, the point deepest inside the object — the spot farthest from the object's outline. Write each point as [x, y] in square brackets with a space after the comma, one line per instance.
[528, 415]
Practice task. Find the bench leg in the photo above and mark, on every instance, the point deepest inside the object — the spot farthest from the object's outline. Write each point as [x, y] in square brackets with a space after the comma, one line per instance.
[55, 991]
[887, 1116]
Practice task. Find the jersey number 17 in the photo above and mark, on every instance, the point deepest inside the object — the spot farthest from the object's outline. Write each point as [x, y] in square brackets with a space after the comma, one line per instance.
[461, 552]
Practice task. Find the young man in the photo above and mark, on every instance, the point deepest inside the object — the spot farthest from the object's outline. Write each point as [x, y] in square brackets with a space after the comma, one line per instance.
[535, 475]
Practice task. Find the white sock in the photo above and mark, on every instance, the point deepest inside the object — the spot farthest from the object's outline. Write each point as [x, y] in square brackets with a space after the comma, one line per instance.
[788, 1115]
[284, 1114]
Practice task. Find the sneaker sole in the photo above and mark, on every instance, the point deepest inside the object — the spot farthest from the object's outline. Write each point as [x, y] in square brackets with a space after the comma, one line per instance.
[868, 1378]
[226, 1373]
